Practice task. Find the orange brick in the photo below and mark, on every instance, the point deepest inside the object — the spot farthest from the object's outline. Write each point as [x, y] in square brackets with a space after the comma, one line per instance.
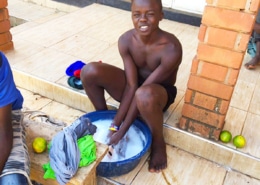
[220, 56]
[215, 134]
[210, 87]
[204, 101]
[209, 2]
[5, 38]
[212, 71]
[223, 107]
[222, 38]
[3, 3]
[228, 19]
[242, 43]
[199, 129]
[203, 115]
[5, 26]
[254, 5]
[232, 4]
[202, 32]
[188, 96]
[183, 123]
[7, 46]
[4, 14]
[232, 76]
[194, 66]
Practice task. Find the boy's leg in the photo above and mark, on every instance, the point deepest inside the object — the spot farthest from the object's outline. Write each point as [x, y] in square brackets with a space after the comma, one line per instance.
[97, 77]
[151, 100]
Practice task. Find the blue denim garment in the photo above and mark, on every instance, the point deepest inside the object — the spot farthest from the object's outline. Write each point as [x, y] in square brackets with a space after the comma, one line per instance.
[13, 179]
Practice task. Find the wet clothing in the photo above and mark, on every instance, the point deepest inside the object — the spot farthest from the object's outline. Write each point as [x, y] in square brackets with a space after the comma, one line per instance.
[64, 152]
[18, 160]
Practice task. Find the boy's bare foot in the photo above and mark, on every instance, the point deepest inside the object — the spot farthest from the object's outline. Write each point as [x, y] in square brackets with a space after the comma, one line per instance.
[158, 158]
[252, 63]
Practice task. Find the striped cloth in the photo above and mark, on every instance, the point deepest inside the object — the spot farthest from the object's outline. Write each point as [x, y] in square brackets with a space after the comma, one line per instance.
[18, 161]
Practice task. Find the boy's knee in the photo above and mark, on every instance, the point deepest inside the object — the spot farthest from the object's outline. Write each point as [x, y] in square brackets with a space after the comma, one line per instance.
[144, 95]
[89, 70]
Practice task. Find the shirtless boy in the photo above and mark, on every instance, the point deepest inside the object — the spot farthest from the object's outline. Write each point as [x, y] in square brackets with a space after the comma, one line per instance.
[145, 87]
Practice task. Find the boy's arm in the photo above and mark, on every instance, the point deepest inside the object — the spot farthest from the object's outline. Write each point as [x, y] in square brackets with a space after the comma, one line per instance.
[131, 80]
[6, 134]
[170, 61]
[127, 108]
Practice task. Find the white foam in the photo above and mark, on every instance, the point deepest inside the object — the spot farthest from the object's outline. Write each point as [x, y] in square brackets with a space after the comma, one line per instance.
[131, 144]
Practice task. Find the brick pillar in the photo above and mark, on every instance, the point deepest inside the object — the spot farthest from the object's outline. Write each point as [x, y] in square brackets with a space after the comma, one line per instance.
[5, 35]
[225, 30]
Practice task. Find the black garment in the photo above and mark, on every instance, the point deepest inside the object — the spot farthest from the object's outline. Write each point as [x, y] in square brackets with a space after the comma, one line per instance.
[171, 91]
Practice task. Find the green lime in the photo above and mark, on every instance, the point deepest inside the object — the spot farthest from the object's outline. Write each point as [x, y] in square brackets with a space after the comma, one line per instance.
[239, 141]
[39, 145]
[225, 136]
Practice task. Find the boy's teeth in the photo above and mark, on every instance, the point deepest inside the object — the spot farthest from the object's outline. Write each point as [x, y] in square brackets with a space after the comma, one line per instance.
[143, 28]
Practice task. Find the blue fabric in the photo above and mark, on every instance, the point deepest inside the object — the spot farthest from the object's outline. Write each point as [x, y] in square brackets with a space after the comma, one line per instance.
[64, 152]
[14, 179]
[73, 67]
[251, 48]
[9, 94]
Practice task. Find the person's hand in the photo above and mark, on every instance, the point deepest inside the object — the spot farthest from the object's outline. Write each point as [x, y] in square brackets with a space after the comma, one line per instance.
[115, 137]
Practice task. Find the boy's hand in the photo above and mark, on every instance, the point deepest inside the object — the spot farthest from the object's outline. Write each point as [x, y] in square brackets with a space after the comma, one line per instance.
[115, 137]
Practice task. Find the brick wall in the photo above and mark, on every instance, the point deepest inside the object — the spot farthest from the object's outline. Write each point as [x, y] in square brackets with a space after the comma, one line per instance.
[5, 35]
[224, 32]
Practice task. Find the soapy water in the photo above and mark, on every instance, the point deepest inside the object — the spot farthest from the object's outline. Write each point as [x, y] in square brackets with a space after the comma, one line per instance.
[130, 145]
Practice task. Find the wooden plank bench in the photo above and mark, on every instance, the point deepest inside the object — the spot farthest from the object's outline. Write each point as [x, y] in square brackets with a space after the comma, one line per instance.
[84, 175]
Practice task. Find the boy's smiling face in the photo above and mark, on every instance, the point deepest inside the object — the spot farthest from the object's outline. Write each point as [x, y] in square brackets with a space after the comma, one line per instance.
[146, 15]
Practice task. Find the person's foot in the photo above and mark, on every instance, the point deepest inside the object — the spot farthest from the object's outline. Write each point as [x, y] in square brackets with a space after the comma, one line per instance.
[158, 158]
[252, 63]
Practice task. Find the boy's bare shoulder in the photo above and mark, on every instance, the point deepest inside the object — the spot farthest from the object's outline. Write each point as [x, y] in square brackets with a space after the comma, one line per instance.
[127, 35]
[172, 38]
[171, 43]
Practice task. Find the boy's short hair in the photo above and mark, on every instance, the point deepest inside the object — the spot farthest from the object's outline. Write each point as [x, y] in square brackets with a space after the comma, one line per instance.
[158, 1]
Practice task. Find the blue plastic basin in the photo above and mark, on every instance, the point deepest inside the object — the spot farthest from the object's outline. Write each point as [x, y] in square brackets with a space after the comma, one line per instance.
[110, 169]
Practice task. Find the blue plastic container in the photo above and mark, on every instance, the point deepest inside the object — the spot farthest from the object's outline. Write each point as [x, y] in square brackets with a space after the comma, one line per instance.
[110, 169]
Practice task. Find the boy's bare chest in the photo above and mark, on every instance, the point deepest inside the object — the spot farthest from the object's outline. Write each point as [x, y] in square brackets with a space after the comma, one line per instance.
[146, 58]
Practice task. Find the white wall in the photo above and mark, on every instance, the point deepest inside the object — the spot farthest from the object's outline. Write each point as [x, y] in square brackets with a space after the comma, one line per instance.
[194, 6]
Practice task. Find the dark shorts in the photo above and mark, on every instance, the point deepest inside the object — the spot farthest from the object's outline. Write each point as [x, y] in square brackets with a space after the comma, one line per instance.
[172, 92]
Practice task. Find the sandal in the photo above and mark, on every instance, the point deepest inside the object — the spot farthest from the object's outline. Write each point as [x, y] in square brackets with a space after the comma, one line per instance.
[75, 83]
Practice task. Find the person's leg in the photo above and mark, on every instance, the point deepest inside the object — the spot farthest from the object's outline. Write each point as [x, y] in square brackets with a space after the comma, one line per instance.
[97, 77]
[14, 179]
[256, 59]
[151, 100]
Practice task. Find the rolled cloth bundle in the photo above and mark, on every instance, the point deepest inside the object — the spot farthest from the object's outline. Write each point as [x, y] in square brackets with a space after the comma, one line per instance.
[64, 152]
